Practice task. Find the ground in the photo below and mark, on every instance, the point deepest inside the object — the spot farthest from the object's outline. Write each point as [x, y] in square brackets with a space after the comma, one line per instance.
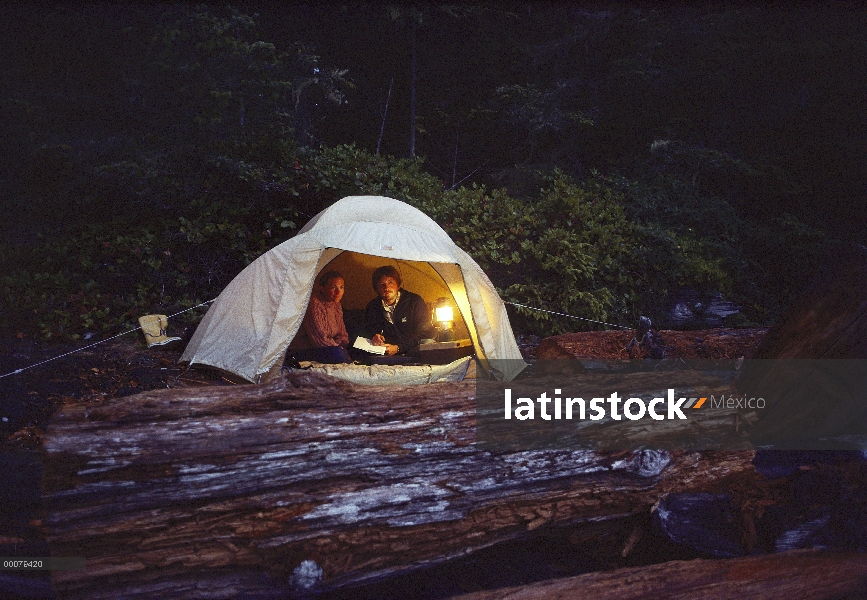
[619, 344]
[124, 366]
[90, 372]
[795, 490]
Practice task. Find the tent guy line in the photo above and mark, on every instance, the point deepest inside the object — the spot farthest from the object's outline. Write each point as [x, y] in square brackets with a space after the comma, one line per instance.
[565, 315]
[22, 369]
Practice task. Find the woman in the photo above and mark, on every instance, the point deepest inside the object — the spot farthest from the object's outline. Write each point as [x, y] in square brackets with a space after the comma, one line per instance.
[323, 325]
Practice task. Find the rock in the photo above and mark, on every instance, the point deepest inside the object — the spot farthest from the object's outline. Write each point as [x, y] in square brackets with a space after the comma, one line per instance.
[821, 503]
[708, 523]
[690, 309]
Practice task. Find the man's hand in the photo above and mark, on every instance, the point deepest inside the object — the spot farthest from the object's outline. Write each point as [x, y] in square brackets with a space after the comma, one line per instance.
[379, 340]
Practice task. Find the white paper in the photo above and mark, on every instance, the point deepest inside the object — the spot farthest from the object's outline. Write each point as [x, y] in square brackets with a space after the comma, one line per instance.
[363, 343]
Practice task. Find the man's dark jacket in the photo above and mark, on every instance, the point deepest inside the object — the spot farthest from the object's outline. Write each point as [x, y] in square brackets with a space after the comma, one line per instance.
[412, 321]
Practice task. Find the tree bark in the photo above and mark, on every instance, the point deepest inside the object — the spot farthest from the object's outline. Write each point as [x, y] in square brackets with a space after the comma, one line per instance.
[384, 115]
[213, 492]
[796, 574]
[455, 160]
[412, 91]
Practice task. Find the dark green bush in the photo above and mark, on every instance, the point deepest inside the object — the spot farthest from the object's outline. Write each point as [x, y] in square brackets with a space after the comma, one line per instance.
[605, 250]
[571, 249]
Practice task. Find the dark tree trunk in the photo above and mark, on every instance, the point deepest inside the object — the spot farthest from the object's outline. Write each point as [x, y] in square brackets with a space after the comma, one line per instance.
[384, 115]
[412, 93]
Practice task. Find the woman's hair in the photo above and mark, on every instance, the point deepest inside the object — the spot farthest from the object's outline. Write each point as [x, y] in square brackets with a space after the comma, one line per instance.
[328, 276]
[386, 271]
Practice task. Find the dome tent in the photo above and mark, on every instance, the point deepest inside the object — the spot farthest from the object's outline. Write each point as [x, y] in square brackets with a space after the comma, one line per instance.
[249, 327]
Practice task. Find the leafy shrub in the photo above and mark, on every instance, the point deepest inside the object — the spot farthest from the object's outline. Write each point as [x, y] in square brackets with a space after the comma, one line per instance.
[571, 249]
[759, 264]
[602, 249]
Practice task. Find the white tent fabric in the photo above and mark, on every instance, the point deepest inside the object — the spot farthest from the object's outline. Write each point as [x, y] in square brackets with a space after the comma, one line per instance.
[248, 328]
[396, 375]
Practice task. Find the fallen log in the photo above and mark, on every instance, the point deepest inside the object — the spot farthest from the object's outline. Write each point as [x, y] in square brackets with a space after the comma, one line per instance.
[714, 426]
[311, 483]
[796, 574]
[706, 344]
[814, 374]
[829, 319]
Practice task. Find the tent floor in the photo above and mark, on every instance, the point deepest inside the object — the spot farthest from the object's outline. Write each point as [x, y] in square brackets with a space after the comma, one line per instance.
[391, 374]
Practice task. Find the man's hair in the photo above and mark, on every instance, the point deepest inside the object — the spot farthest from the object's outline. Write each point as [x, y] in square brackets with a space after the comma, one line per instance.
[328, 276]
[386, 271]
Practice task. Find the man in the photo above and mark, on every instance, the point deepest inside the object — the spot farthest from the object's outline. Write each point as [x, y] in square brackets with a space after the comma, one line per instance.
[396, 318]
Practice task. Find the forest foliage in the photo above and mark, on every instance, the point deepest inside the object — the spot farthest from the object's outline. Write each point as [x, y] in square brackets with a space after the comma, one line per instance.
[208, 144]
